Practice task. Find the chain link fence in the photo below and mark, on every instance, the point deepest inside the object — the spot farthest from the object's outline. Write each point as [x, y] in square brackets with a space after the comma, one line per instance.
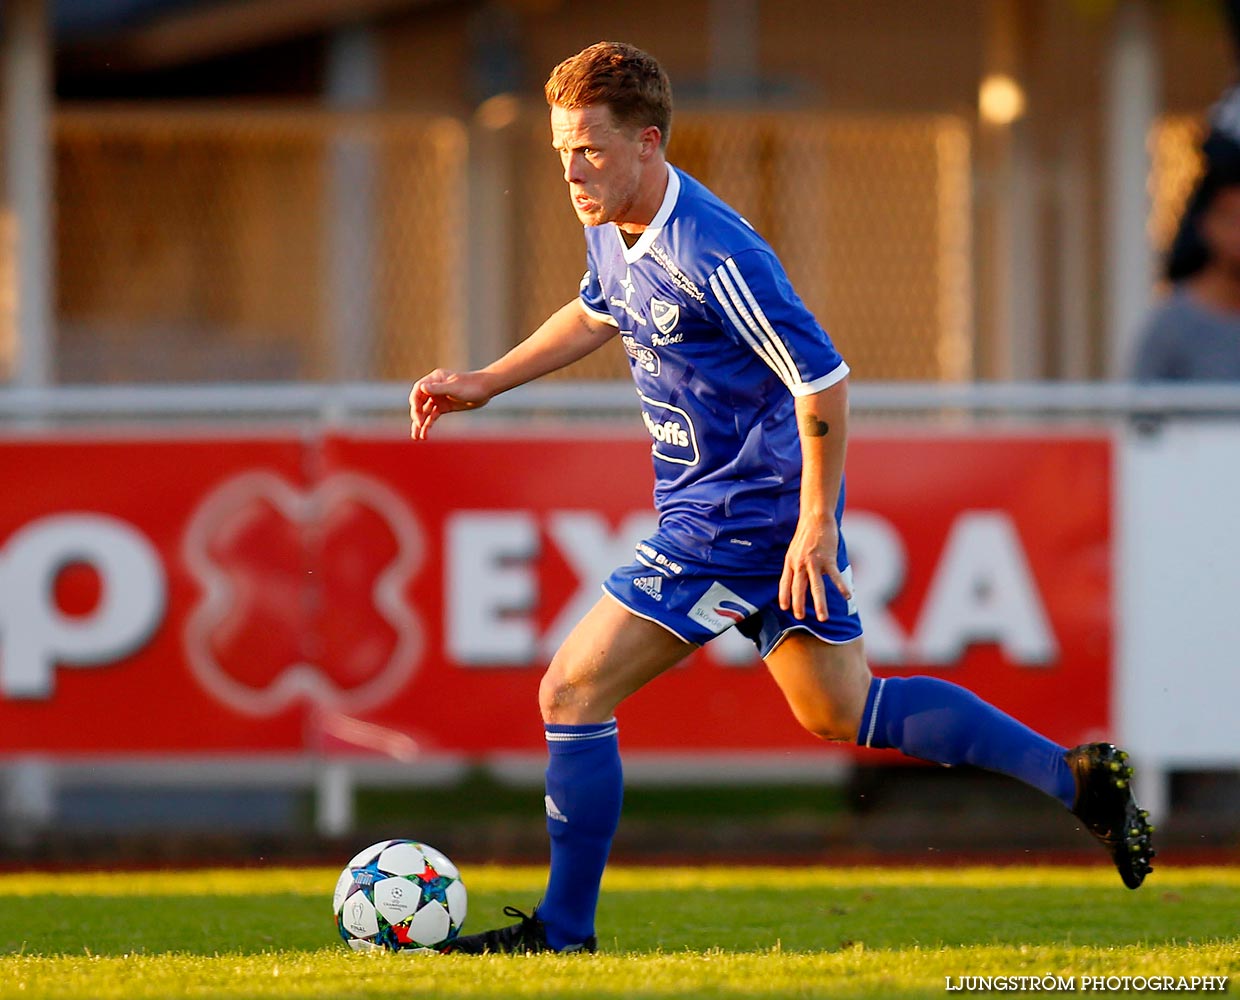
[871, 217]
[218, 245]
[270, 246]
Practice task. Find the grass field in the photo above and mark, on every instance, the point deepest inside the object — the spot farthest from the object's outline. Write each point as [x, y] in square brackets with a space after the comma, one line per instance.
[664, 933]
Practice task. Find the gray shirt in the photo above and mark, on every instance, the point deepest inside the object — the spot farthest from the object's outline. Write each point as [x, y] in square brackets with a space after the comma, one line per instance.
[1184, 339]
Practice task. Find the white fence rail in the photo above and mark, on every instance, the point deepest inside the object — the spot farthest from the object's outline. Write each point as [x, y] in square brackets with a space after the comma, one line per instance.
[352, 400]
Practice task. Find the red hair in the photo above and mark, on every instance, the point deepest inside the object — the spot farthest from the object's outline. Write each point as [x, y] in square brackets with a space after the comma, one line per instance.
[620, 76]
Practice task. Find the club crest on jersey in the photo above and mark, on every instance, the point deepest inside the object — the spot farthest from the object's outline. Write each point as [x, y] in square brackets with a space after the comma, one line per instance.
[646, 358]
[665, 315]
[720, 608]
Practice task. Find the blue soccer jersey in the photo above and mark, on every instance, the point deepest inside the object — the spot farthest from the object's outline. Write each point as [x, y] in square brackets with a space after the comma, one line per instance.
[719, 345]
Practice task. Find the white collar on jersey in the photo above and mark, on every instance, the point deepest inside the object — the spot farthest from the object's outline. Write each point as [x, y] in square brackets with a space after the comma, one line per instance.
[633, 253]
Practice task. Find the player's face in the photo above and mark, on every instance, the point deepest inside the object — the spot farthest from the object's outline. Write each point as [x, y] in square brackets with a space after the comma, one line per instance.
[602, 162]
[1221, 229]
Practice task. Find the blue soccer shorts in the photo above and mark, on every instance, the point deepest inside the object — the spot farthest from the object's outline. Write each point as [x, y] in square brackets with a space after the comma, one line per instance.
[696, 599]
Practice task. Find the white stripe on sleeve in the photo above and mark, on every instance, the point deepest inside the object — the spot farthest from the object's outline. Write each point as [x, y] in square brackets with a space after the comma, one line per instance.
[734, 306]
[775, 343]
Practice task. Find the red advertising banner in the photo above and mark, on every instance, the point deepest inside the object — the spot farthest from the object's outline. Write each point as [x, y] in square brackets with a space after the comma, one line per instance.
[195, 595]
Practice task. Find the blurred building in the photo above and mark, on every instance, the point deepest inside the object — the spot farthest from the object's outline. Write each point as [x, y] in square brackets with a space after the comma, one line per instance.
[361, 189]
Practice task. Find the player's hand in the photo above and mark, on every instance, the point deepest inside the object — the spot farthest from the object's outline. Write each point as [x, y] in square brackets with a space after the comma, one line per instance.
[810, 558]
[443, 392]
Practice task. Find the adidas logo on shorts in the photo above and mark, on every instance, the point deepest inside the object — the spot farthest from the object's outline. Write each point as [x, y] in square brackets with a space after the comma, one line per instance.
[652, 585]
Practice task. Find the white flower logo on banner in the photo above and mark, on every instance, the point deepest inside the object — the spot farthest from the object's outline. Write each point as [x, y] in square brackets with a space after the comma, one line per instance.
[216, 630]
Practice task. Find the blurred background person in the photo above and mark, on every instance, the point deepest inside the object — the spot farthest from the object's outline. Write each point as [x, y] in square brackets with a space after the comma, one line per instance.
[1195, 332]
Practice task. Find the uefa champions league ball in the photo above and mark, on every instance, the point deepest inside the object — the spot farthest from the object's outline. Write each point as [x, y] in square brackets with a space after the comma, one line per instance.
[399, 895]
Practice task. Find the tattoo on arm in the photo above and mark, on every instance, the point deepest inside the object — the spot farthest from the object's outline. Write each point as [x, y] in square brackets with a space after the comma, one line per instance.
[813, 427]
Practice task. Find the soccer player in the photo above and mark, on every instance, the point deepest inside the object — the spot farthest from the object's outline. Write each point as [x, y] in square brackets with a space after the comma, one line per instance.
[746, 402]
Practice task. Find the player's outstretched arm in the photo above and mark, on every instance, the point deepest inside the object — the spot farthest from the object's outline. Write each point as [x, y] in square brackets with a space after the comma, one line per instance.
[822, 423]
[568, 335]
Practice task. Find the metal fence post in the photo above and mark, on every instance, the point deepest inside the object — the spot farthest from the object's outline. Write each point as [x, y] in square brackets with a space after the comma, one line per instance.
[486, 285]
[28, 803]
[26, 49]
[333, 806]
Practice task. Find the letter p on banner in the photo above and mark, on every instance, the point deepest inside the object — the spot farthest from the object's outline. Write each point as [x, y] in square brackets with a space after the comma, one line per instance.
[36, 635]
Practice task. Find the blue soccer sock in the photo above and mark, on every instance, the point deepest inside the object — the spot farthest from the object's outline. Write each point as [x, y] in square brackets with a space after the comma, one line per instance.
[585, 788]
[936, 720]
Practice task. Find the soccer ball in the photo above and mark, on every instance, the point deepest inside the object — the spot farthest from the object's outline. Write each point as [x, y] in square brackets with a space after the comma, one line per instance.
[399, 895]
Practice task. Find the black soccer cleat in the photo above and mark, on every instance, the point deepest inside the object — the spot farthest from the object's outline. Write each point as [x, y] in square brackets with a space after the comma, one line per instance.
[1104, 802]
[525, 938]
